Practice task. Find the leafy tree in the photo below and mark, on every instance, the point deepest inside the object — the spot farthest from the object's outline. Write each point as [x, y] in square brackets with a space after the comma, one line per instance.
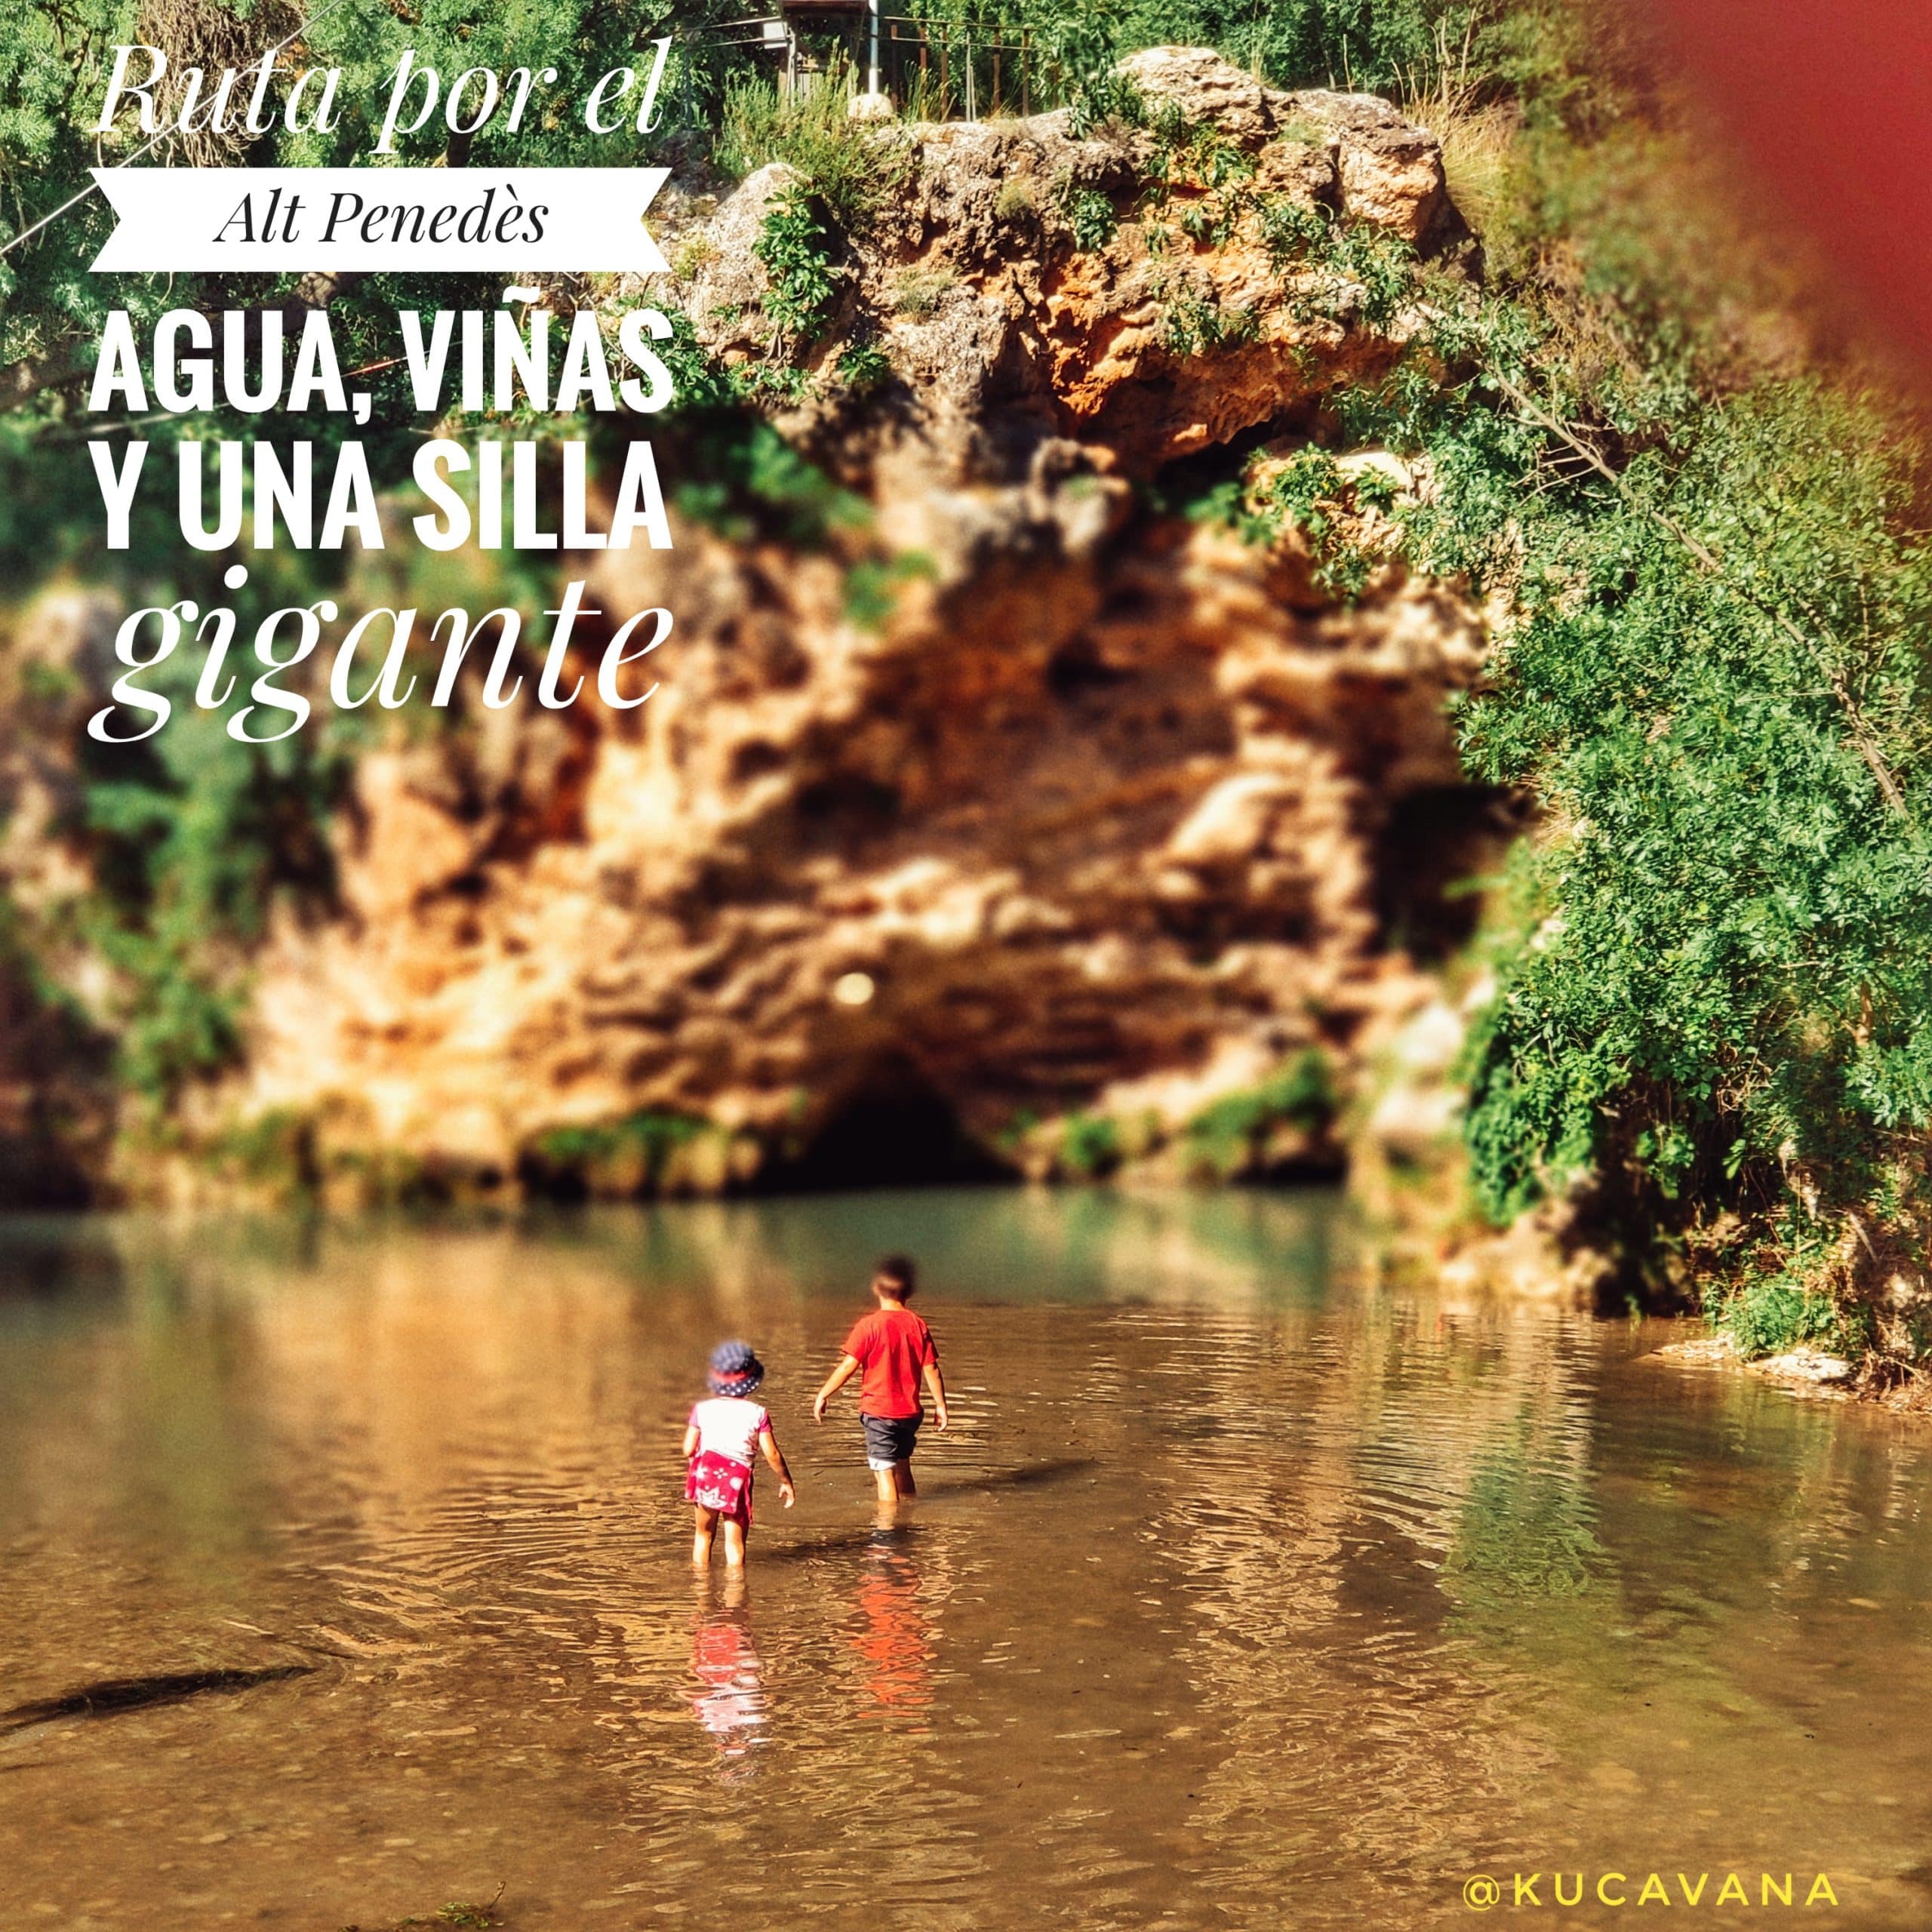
[1712, 970]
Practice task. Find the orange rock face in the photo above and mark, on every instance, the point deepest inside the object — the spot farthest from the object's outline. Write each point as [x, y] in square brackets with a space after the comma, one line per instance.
[1025, 802]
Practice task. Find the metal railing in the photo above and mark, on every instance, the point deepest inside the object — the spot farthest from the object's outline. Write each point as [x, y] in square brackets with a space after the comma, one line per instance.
[931, 70]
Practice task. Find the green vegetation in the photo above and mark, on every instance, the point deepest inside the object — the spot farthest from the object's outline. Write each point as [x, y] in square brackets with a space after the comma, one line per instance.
[849, 168]
[1090, 216]
[791, 246]
[194, 845]
[873, 584]
[1193, 321]
[1311, 492]
[1237, 1136]
[1014, 202]
[1292, 229]
[1384, 47]
[1713, 679]
[463, 1913]
[1378, 269]
[626, 1158]
[1090, 1146]
[1769, 1317]
[1197, 170]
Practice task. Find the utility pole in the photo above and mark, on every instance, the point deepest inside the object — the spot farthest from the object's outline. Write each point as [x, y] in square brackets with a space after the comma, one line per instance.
[872, 62]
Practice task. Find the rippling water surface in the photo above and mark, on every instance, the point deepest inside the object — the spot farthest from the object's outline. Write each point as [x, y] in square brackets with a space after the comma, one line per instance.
[1243, 1592]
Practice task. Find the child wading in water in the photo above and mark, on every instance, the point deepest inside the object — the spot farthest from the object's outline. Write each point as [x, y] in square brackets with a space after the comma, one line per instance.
[895, 1350]
[724, 1433]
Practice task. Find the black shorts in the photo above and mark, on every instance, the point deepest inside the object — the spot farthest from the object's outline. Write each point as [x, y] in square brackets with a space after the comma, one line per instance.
[889, 1439]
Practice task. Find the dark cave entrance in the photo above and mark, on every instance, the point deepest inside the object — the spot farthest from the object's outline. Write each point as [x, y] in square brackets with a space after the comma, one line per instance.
[1435, 844]
[892, 1128]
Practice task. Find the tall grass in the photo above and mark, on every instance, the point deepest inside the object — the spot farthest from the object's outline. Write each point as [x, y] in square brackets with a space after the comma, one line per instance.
[849, 166]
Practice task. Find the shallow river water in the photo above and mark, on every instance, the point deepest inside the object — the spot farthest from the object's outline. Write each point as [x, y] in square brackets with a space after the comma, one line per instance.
[1244, 1591]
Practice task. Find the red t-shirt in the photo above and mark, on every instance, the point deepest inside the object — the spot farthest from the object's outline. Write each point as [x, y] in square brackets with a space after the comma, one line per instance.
[891, 1345]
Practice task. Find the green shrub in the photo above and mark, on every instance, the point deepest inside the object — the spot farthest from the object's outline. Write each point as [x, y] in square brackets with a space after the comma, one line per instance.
[1014, 202]
[1082, 47]
[851, 168]
[1383, 266]
[1090, 1146]
[1381, 47]
[757, 483]
[1292, 229]
[629, 1156]
[792, 246]
[275, 1149]
[1090, 215]
[917, 291]
[1311, 492]
[863, 367]
[1773, 1317]
[1193, 321]
[1229, 1136]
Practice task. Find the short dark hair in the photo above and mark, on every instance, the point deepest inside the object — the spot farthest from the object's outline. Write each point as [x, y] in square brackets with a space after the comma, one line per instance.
[897, 1270]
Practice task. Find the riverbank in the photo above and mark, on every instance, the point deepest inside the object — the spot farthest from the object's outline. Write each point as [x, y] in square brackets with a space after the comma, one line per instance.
[1812, 1373]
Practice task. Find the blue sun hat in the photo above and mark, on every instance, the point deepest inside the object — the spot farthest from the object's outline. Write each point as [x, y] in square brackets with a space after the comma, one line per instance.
[735, 1369]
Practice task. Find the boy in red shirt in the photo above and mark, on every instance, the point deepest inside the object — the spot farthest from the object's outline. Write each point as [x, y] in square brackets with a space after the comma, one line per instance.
[895, 1350]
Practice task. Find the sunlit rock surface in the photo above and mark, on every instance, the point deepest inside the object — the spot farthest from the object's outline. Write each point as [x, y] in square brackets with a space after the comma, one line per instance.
[1074, 819]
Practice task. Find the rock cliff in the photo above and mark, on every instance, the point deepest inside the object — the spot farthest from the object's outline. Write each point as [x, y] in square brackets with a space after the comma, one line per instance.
[1018, 821]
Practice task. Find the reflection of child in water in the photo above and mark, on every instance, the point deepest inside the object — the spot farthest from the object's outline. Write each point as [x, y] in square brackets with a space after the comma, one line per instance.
[723, 1434]
[895, 1645]
[731, 1703]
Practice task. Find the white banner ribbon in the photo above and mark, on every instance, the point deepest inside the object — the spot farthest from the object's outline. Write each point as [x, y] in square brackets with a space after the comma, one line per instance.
[251, 221]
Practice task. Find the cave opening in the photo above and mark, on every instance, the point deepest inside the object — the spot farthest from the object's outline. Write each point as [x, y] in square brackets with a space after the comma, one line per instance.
[892, 1128]
[1435, 847]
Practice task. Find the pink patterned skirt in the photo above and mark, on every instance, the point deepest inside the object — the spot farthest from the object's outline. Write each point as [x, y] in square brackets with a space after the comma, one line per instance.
[721, 1483]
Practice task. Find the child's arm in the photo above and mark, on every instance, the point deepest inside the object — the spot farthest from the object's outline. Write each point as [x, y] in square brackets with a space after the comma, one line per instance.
[936, 1383]
[691, 1439]
[848, 1366]
[775, 1456]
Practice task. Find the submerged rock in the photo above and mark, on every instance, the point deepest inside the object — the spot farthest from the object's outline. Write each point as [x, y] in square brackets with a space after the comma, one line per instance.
[1804, 1370]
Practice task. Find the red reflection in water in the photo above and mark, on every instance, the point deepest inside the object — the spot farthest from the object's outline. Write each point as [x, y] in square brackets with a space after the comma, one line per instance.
[895, 1641]
[731, 1705]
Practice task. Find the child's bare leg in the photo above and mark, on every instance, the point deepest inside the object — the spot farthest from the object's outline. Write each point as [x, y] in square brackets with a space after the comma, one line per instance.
[902, 1477]
[887, 1480]
[734, 1546]
[707, 1522]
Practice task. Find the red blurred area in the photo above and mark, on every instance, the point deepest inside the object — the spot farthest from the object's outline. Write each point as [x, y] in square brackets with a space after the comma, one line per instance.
[1831, 103]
